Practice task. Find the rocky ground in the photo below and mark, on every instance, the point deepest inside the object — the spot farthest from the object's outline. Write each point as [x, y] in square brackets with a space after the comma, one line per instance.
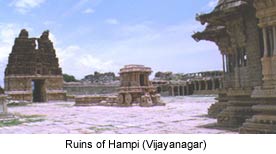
[180, 115]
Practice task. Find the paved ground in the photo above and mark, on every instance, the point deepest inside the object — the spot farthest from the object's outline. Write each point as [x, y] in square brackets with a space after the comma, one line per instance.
[180, 115]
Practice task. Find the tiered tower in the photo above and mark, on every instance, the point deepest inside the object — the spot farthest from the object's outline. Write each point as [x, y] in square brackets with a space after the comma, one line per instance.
[33, 72]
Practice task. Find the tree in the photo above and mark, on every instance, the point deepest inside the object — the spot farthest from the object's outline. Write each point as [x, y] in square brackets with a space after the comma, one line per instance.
[69, 78]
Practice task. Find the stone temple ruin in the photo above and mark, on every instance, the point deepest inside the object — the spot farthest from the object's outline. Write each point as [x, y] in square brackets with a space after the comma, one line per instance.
[244, 31]
[135, 89]
[33, 73]
[200, 83]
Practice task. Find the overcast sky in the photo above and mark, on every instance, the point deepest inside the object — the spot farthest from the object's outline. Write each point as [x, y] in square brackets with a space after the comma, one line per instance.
[105, 35]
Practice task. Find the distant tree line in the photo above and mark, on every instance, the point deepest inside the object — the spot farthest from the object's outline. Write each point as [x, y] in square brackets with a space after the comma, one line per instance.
[69, 78]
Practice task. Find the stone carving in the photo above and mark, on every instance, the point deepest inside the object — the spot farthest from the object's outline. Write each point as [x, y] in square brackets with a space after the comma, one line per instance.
[33, 72]
[233, 27]
[264, 119]
[135, 89]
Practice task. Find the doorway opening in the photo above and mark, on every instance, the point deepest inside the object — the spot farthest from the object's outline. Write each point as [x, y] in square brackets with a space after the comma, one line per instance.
[39, 91]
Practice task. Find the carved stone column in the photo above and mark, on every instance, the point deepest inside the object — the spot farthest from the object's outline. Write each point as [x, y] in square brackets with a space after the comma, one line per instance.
[266, 60]
[265, 43]
[172, 88]
[223, 62]
[220, 84]
[274, 40]
[206, 84]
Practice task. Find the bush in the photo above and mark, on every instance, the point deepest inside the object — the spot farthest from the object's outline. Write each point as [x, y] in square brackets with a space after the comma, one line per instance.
[69, 78]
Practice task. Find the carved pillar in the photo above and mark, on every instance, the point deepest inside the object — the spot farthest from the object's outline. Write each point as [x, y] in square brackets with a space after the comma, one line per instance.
[220, 84]
[265, 43]
[274, 38]
[172, 88]
[223, 63]
[227, 63]
[206, 85]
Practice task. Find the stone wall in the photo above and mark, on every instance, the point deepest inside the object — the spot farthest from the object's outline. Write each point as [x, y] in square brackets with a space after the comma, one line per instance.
[90, 89]
[200, 83]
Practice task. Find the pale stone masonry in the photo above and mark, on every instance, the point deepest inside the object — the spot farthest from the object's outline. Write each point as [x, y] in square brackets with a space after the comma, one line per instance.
[33, 73]
[136, 88]
[250, 77]
[198, 83]
[264, 121]
[233, 27]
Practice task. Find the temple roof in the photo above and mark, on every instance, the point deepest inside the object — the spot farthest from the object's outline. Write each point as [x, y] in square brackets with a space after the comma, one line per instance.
[33, 56]
[135, 68]
[210, 33]
[223, 8]
[226, 4]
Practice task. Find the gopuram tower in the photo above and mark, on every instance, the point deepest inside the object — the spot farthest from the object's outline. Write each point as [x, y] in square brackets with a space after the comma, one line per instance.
[33, 73]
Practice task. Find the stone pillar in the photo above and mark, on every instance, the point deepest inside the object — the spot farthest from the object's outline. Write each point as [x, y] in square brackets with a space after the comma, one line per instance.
[206, 85]
[172, 87]
[220, 84]
[265, 43]
[183, 89]
[194, 86]
[274, 38]
[223, 63]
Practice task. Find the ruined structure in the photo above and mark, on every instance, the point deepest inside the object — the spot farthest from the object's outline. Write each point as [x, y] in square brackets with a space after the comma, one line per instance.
[80, 88]
[200, 83]
[136, 87]
[264, 119]
[232, 25]
[33, 73]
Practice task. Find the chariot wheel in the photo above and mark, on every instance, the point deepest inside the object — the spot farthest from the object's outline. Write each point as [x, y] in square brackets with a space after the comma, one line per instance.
[157, 98]
[121, 99]
[143, 99]
[128, 99]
